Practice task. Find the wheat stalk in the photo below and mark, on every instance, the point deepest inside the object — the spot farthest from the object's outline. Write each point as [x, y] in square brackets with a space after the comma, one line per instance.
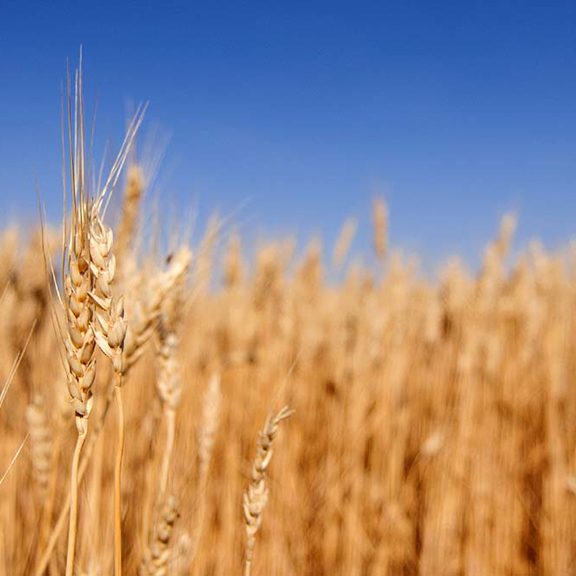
[147, 305]
[79, 341]
[380, 222]
[156, 560]
[139, 330]
[210, 420]
[61, 520]
[343, 242]
[84, 281]
[233, 268]
[182, 556]
[110, 332]
[169, 382]
[41, 444]
[256, 497]
[41, 459]
[133, 192]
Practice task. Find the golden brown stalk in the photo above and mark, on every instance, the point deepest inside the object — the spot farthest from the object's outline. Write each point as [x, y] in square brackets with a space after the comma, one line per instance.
[210, 420]
[118, 480]
[79, 343]
[169, 386]
[82, 286]
[40, 437]
[74, 506]
[8, 253]
[505, 234]
[169, 382]
[380, 222]
[182, 556]
[144, 314]
[110, 325]
[110, 332]
[233, 269]
[156, 561]
[61, 521]
[257, 495]
[342, 246]
[130, 209]
[62, 419]
[41, 444]
[204, 264]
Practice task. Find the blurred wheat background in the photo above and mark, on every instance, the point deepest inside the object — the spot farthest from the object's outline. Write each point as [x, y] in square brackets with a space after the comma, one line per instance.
[221, 391]
[434, 429]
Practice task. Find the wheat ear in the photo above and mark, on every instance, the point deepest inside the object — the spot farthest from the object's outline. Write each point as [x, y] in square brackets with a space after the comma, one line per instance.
[133, 193]
[181, 560]
[41, 444]
[156, 561]
[141, 324]
[380, 222]
[145, 313]
[257, 495]
[110, 331]
[343, 242]
[77, 281]
[80, 344]
[169, 382]
[210, 419]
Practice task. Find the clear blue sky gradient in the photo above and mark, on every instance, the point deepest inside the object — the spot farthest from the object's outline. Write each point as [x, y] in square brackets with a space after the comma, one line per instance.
[292, 115]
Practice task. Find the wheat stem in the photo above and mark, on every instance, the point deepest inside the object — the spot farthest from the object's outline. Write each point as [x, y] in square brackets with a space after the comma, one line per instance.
[73, 505]
[61, 521]
[118, 480]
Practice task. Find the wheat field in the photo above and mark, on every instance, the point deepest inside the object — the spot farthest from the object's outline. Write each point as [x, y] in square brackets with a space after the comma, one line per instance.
[196, 409]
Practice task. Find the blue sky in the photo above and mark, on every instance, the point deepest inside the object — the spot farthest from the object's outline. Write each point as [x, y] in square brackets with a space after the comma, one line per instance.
[292, 115]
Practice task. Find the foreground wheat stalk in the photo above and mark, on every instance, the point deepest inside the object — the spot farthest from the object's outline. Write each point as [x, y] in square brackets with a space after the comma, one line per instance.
[77, 281]
[80, 344]
[88, 271]
[141, 325]
[256, 497]
[110, 332]
[65, 511]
